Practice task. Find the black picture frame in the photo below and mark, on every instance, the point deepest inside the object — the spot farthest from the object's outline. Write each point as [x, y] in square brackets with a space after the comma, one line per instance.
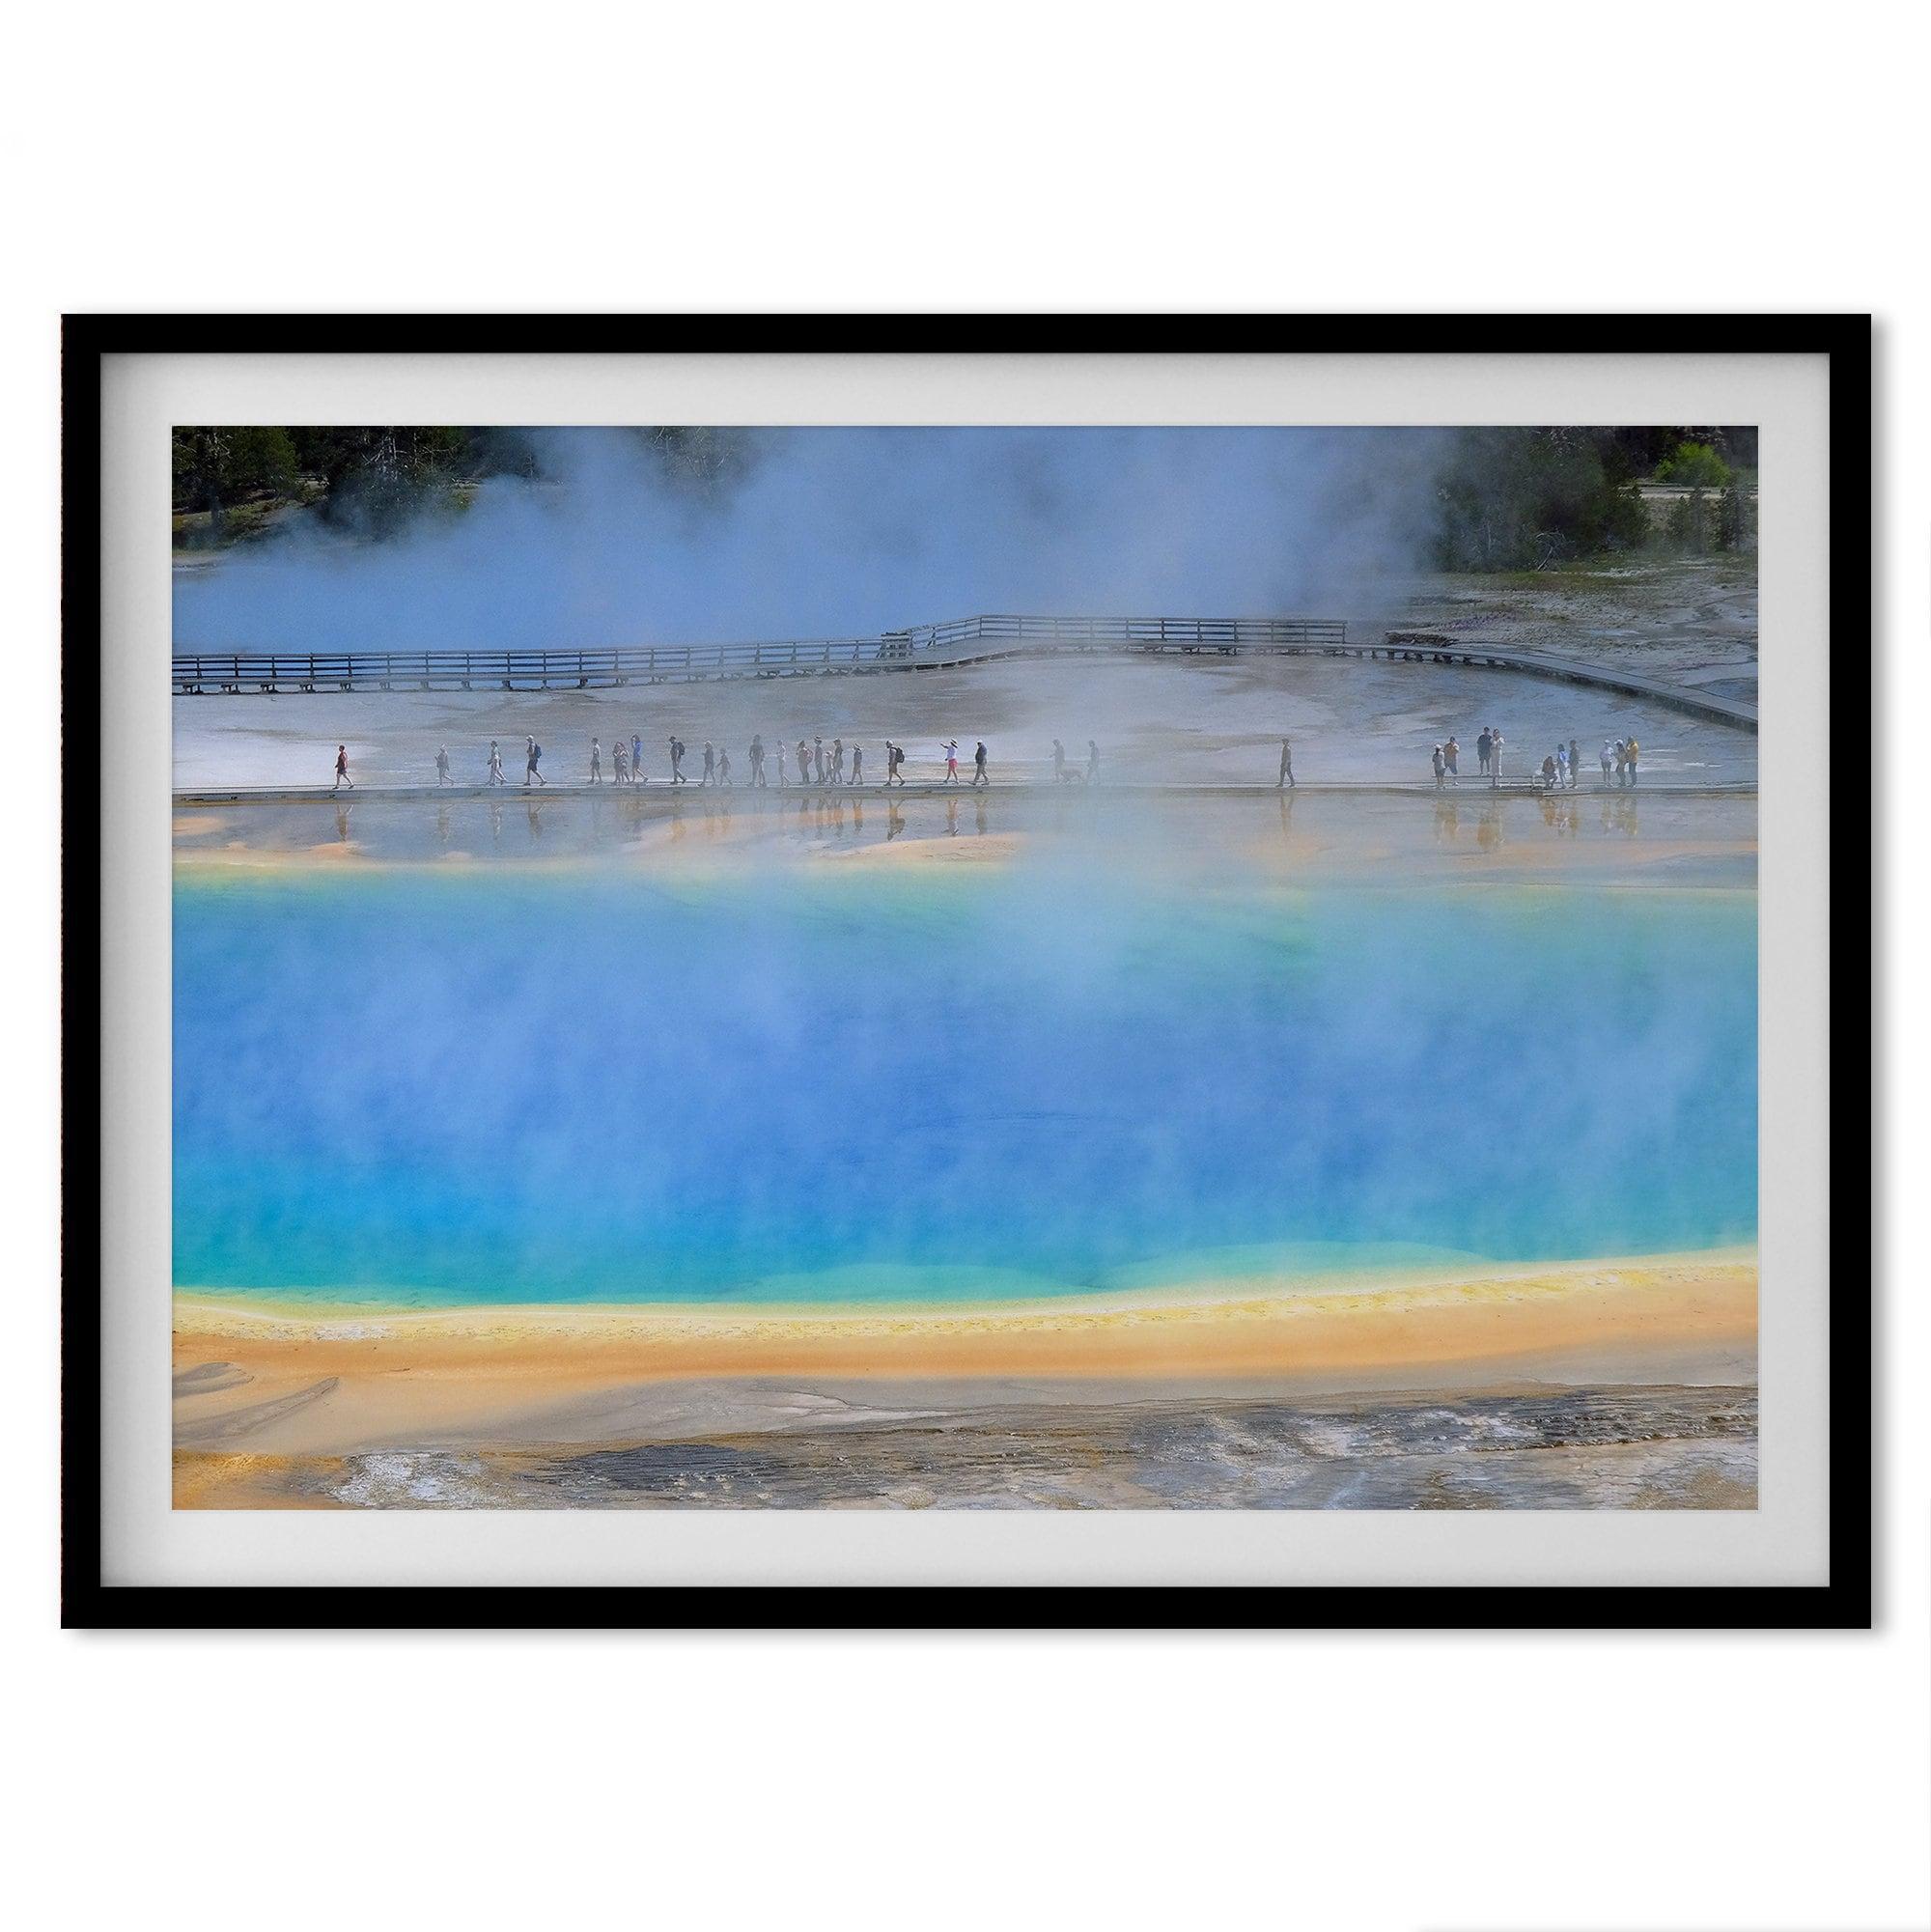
[1844, 1602]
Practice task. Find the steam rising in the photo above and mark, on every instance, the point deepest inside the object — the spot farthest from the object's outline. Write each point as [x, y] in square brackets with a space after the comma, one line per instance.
[843, 533]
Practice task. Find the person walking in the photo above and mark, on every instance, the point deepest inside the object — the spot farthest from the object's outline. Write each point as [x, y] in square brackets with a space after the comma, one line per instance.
[342, 776]
[1450, 752]
[858, 765]
[724, 768]
[1092, 761]
[1286, 777]
[677, 776]
[1495, 756]
[783, 781]
[620, 762]
[1440, 765]
[532, 758]
[1482, 753]
[838, 761]
[637, 759]
[951, 750]
[1059, 761]
[979, 776]
[894, 760]
[495, 776]
[596, 762]
[443, 764]
[1574, 765]
[757, 759]
[710, 772]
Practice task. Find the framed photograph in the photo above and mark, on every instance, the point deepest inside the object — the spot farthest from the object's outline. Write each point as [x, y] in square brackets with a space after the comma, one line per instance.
[929, 971]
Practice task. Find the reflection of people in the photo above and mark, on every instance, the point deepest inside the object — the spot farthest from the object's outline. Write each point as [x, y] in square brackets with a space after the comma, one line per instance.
[342, 776]
[1286, 777]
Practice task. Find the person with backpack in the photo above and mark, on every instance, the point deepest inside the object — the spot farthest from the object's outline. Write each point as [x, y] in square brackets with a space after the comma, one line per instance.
[342, 776]
[979, 776]
[532, 757]
[443, 764]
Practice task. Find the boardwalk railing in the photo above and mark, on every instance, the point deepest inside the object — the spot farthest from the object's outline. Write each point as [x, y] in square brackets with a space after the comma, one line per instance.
[930, 646]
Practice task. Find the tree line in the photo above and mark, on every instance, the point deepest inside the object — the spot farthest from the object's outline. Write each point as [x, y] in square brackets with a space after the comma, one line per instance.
[1512, 499]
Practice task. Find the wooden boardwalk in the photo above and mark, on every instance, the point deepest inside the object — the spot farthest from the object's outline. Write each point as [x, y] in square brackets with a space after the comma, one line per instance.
[970, 640]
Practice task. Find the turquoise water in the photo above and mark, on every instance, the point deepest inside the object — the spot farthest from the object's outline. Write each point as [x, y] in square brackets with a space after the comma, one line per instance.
[425, 1089]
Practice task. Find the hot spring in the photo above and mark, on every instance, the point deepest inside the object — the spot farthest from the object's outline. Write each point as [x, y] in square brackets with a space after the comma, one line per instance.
[419, 1087]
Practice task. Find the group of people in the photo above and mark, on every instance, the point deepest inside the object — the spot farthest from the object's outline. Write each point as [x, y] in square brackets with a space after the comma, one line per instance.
[816, 764]
[1561, 770]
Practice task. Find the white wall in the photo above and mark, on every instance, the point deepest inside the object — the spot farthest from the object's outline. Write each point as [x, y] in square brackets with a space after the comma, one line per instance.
[575, 158]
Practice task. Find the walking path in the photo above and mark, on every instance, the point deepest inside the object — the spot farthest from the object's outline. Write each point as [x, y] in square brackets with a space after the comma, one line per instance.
[657, 792]
[971, 640]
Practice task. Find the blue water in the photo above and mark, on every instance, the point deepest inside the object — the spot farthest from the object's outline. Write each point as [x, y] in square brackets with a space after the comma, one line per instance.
[422, 1088]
